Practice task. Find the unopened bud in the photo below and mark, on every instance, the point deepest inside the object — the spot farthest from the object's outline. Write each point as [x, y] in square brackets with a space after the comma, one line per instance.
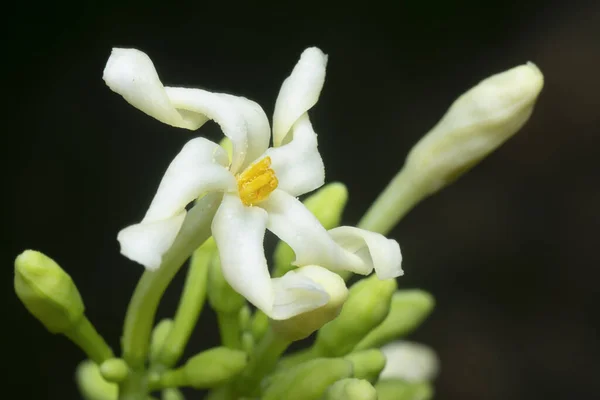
[47, 291]
[367, 364]
[221, 295]
[351, 389]
[309, 380]
[114, 370]
[159, 335]
[397, 389]
[92, 385]
[409, 308]
[412, 362]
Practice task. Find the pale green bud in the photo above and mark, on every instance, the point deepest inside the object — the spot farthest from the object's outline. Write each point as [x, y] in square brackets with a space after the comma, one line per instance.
[396, 389]
[302, 325]
[307, 381]
[411, 362]
[47, 291]
[476, 124]
[159, 335]
[92, 385]
[172, 394]
[209, 369]
[367, 306]
[351, 389]
[221, 295]
[244, 318]
[408, 309]
[327, 204]
[260, 324]
[367, 364]
[114, 370]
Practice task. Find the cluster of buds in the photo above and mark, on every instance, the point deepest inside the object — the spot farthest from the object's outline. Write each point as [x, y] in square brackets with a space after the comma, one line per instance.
[239, 189]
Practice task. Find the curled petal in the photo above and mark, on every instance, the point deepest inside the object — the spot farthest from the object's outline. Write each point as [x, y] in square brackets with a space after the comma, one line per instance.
[299, 92]
[293, 223]
[131, 73]
[298, 164]
[146, 243]
[197, 169]
[239, 232]
[376, 250]
[296, 293]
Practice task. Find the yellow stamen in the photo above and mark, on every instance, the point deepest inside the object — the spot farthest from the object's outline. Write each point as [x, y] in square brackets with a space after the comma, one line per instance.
[256, 182]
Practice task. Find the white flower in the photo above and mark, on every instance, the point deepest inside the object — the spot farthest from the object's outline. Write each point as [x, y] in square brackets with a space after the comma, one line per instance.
[409, 361]
[259, 185]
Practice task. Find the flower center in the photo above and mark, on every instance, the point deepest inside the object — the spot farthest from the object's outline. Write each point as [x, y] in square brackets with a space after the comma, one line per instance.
[256, 182]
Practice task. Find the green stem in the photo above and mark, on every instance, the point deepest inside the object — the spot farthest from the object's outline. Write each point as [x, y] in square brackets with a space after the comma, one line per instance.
[151, 286]
[397, 199]
[84, 335]
[189, 309]
[229, 328]
[262, 362]
[134, 387]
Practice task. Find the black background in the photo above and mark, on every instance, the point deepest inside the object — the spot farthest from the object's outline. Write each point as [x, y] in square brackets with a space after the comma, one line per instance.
[509, 251]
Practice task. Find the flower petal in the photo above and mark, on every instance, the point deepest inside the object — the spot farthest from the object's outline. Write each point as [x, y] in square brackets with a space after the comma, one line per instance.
[131, 73]
[146, 242]
[298, 164]
[376, 250]
[239, 232]
[299, 92]
[198, 168]
[295, 293]
[293, 223]
[409, 361]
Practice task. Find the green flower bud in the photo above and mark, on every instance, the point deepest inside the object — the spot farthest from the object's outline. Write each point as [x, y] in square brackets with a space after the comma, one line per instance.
[327, 204]
[411, 362]
[476, 124]
[92, 385]
[47, 291]
[260, 324]
[351, 389]
[172, 394]
[221, 295]
[159, 335]
[114, 370]
[367, 364]
[396, 389]
[209, 369]
[302, 325]
[367, 306]
[307, 381]
[409, 308]
[244, 318]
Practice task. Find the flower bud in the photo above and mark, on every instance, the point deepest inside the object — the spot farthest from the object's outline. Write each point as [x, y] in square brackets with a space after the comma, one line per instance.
[47, 291]
[209, 369]
[327, 204]
[307, 381]
[159, 335]
[221, 295]
[114, 370]
[302, 325]
[367, 306]
[172, 394]
[476, 124]
[397, 389]
[92, 385]
[408, 309]
[411, 362]
[351, 389]
[367, 364]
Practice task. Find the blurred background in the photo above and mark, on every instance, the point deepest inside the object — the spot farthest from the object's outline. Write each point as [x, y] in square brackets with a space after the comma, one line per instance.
[508, 250]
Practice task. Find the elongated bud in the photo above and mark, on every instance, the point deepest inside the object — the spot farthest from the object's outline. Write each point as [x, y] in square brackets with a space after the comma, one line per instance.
[367, 364]
[397, 389]
[92, 385]
[114, 370]
[172, 394]
[221, 295]
[412, 362]
[159, 335]
[409, 308]
[476, 124]
[209, 369]
[367, 306]
[351, 389]
[327, 204]
[47, 291]
[304, 324]
[309, 380]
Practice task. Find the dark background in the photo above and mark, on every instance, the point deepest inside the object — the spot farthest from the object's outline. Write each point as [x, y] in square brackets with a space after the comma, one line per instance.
[509, 251]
